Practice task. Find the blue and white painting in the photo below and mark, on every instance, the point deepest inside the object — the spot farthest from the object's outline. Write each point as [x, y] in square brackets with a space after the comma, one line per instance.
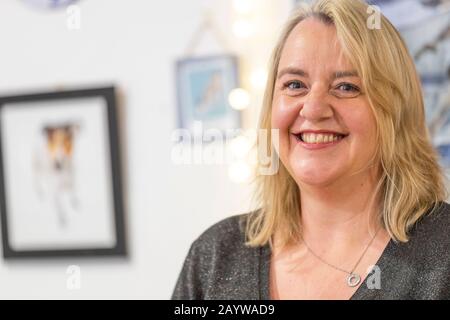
[425, 26]
[203, 86]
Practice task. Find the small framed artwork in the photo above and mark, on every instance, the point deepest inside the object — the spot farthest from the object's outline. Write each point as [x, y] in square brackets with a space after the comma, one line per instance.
[50, 4]
[297, 3]
[60, 189]
[204, 85]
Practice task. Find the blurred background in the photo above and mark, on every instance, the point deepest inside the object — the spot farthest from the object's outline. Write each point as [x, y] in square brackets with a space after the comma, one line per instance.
[173, 65]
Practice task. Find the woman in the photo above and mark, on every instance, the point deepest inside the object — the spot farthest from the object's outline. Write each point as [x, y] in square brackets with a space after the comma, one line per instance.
[356, 208]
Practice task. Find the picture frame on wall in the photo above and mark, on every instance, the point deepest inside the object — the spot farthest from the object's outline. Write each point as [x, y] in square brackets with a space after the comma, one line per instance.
[203, 87]
[297, 3]
[60, 177]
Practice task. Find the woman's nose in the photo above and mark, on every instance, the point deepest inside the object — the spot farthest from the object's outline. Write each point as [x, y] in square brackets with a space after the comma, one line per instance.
[316, 106]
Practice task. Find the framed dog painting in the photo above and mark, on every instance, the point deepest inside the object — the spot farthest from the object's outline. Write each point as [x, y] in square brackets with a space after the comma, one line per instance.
[60, 175]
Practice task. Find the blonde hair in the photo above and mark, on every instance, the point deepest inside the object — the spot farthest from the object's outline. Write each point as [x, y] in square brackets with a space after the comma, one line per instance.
[412, 181]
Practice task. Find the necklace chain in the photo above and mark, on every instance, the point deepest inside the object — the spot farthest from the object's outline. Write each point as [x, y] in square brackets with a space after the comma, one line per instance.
[338, 268]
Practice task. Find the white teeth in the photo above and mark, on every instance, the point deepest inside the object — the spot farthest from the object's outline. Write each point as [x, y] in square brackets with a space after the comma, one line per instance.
[319, 138]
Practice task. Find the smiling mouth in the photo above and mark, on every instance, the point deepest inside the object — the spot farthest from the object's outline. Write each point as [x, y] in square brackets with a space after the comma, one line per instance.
[319, 138]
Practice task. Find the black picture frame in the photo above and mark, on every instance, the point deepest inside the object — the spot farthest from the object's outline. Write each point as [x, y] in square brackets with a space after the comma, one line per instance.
[116, 247]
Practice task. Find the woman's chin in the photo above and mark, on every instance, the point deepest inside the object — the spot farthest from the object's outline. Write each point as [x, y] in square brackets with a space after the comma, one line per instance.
[314, 177]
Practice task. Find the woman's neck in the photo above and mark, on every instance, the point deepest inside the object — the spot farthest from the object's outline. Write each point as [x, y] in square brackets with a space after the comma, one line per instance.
[344, 212]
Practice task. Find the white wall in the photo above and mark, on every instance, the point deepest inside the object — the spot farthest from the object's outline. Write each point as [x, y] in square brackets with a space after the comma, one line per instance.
[132, 44]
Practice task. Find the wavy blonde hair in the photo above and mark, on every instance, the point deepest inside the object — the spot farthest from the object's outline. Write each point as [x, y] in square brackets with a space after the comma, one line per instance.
[412, 182]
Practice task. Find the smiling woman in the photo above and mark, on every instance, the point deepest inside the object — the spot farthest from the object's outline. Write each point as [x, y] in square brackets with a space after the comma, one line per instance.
[356, 208]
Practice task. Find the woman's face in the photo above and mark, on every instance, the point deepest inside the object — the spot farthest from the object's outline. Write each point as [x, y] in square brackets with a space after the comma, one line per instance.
[326, 126]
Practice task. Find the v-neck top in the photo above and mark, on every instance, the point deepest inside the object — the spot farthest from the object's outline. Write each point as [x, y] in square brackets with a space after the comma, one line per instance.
[219, 266]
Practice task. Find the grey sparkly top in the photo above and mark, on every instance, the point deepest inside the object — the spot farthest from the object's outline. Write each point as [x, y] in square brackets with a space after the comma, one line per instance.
[220, 266]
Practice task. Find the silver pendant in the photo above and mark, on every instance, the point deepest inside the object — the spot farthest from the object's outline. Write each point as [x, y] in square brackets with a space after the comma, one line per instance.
[353, 280]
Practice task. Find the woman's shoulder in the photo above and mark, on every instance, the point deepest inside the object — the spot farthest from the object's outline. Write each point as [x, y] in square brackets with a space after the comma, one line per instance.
[420, 267]
[434, 225]
[218, 263]
[430, 237]
[221, 249]
[228, 232]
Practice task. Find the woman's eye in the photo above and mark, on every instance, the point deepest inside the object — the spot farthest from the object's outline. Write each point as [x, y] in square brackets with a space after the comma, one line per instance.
[347, 90]
[347, 87]
[294, 85]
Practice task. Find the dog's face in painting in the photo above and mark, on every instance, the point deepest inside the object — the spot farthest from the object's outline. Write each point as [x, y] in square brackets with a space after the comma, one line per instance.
[54, 168]
[59, 145]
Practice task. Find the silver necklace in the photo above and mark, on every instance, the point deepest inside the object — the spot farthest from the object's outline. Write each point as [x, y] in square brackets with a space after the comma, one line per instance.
[353, 279]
